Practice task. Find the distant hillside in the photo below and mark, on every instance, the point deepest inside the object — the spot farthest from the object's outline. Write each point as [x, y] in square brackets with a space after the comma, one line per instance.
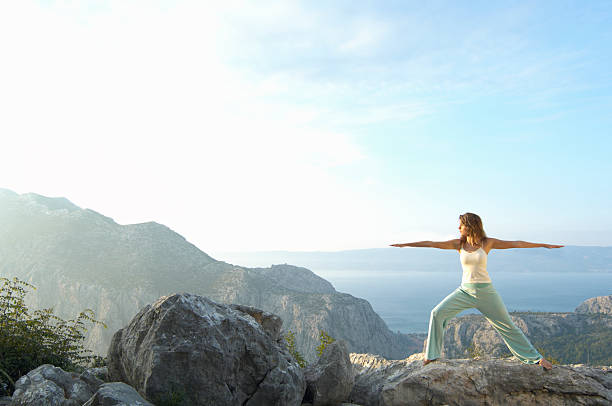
[566, 259]
[78, 258]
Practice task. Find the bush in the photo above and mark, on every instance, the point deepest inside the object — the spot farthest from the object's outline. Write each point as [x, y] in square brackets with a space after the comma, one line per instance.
[28, 340]
[325, 341]
[474, 352]
[290, 340]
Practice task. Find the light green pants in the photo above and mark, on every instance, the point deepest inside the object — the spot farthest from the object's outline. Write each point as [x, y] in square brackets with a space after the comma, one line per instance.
[485, 298]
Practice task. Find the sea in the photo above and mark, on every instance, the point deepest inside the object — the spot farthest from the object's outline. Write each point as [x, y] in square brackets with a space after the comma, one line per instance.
[404, 299]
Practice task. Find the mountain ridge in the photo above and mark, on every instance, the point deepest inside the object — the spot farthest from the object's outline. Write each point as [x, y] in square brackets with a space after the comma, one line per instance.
[80, 259]
[570, 258]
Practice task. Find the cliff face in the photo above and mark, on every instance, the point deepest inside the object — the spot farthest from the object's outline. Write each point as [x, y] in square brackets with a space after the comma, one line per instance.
[599, 304]
[81, 259]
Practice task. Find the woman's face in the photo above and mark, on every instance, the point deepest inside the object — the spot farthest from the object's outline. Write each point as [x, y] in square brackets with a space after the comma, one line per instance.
[462, 229]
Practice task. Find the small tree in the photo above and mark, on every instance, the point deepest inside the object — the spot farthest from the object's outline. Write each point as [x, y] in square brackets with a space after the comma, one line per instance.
[28, 340]
[325, 341]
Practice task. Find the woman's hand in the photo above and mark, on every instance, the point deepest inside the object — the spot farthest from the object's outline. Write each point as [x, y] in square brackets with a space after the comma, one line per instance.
[552, 246]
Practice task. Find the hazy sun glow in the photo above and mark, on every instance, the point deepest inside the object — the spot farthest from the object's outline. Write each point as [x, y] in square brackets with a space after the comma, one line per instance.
[312, 126]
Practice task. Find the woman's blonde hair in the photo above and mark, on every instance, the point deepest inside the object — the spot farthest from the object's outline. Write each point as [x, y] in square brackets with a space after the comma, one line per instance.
[474, 228]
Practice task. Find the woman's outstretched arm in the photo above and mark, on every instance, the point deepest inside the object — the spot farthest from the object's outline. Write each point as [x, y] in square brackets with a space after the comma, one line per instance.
[445, 245]
[502, 245]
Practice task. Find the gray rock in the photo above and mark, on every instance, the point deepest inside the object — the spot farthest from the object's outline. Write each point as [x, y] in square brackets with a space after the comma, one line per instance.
[205, 352]
[100, 373]
[476, 382]
[599, 304]
[49, 385]
[271, 323]
[329, 382]
[340, 404]
[5, 400]
[117, 394]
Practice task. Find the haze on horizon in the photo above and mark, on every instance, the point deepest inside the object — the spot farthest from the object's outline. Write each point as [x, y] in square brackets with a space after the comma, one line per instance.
[314, 126]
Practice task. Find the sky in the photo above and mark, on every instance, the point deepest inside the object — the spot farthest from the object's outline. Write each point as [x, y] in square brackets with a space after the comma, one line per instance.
[314, 125]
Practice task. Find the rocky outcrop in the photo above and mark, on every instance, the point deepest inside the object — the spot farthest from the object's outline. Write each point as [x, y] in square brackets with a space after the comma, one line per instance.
[205, 352]
[330, 380]
[81, 259]
[296, 278]
[379, 382]
[116, 394]
[270, 323]
[599, 304]
[49, 385]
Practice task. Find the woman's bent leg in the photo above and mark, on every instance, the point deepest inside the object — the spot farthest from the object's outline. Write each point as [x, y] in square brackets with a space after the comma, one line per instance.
[452, 305]
[493, 308]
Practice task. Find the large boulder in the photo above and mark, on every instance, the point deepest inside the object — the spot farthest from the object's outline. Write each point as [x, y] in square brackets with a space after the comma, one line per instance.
[476, 382]
[205, 352]
[599, 304]
[330, 380]
[271, 323]
[50, 385]
[116, 394]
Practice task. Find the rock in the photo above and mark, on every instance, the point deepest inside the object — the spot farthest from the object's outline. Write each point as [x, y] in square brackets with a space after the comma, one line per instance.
[100, 373]
[49, 385]
[271, 323]
[116, 393]
[599, 304]
[5, 400]
[476, 382]
[340, 404]
[331, 379]
[205, 352]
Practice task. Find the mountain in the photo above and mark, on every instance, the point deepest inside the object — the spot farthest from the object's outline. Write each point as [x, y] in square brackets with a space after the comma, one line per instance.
[566, 259]
[78, 258]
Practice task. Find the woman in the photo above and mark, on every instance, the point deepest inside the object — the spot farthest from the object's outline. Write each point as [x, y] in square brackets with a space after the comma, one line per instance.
[476, 291]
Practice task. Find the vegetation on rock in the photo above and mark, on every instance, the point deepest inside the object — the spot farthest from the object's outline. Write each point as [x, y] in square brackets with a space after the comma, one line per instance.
[30, 339]
[325, 341]
[290, 340]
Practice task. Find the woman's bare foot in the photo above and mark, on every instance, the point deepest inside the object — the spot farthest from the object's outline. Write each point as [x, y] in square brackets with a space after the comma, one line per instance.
[428, 361]
[545, 364]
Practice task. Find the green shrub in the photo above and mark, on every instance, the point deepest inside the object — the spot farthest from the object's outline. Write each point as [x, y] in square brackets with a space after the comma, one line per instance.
[473, 351]
[290, 340]
[175, 397]
[325, 341]
[28, 340]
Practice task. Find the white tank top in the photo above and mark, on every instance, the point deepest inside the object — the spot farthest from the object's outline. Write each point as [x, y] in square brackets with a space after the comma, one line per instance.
[474, 266]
